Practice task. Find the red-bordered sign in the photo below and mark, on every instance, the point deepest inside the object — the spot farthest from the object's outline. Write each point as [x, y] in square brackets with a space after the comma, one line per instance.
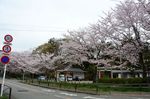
[6, 49]
[8, 38]
[5, 59]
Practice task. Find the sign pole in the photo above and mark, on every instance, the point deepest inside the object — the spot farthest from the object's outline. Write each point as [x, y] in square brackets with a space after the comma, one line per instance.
[5, 58]
[2, 86]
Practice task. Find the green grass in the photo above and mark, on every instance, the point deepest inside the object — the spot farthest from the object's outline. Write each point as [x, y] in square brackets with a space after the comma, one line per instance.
[95, 88]
[3, 97]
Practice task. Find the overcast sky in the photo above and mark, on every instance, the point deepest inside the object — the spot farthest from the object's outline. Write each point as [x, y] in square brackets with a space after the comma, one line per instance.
[33, 22]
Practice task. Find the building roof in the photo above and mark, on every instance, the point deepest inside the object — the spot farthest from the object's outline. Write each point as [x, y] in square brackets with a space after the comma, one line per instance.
[71, 69]
[123, 71]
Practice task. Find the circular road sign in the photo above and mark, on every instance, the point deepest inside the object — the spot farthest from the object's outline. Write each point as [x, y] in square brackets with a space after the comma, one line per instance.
[8, 38]
[6, 48]
[5, 59]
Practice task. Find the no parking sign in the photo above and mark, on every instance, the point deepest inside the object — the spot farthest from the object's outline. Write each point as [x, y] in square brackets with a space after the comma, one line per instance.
[5, 59]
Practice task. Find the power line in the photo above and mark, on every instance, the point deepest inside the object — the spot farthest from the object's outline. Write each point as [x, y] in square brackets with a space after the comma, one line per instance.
[31, 26]
[31, 30]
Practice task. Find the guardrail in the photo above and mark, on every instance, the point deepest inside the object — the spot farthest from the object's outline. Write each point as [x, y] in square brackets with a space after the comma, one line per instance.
[7, 91]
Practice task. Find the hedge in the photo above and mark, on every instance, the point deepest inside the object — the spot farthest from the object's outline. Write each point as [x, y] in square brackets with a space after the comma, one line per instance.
[124, 81]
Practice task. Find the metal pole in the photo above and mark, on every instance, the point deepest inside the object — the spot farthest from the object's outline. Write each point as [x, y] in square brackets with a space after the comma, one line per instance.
[10, 93]
[3, 82]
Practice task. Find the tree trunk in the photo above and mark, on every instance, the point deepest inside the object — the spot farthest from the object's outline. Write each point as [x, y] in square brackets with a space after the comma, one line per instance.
[23, 74]
[141, 61]
[32, 77]
[95, 75]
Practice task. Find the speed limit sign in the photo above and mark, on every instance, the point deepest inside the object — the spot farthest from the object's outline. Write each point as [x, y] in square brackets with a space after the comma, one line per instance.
[8, 38]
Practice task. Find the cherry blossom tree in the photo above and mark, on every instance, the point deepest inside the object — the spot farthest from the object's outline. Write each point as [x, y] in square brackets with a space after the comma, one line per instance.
[122, 34]
[128, 23]
[25, 61]
[126, 28]
[89, 44]
[28, 62]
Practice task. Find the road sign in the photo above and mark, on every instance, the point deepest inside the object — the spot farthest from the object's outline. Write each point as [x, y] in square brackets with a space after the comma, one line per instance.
[6, 48]
[5, 59]
[8, 38]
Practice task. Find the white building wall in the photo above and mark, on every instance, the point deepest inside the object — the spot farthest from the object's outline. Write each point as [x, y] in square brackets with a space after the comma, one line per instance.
[119, 75]
[141, 75]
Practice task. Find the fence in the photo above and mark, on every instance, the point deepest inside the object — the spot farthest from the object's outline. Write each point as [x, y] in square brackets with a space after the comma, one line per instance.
[7, 91]
[94, 88]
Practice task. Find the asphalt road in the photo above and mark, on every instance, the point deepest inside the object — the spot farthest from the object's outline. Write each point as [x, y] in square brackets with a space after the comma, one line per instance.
[23, 91]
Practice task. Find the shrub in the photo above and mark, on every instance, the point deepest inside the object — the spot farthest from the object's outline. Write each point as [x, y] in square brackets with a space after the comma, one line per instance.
[123, 80]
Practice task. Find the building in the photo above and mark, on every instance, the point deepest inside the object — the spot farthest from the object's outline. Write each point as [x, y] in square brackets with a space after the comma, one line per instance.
[110, 72]
[70, 73]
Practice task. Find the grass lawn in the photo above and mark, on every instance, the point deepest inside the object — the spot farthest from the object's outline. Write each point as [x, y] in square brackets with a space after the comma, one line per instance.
[3, 97]
[93, 88]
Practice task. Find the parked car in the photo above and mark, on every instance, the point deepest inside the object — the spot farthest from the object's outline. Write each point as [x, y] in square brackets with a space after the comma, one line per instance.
[76, 78]
[69, 78]
[61, 77]
[41, 78]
